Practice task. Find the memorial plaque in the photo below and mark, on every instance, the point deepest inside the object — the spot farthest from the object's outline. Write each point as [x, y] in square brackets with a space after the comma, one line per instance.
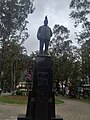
[42, 79]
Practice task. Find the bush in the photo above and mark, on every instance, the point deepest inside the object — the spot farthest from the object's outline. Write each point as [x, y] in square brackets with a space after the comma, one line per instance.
[18, 92]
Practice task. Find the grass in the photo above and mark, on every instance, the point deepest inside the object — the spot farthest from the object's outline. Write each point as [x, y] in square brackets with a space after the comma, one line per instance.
[14, 99]
[58, 101]
[84, 100]
[81, 99]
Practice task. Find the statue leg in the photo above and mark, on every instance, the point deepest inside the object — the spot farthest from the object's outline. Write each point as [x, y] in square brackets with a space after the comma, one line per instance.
[41, 46]
[46, 46]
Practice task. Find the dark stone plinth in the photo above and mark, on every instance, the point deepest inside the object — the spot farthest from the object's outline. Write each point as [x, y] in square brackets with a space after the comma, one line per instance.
[56, 118]
[42, 85]
[41, 100]
[23, 117]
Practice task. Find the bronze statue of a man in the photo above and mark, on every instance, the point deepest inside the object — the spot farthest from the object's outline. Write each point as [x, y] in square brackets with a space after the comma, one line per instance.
[44, 34]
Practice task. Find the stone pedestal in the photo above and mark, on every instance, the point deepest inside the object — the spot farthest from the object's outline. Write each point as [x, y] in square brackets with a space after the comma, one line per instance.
[41, 101]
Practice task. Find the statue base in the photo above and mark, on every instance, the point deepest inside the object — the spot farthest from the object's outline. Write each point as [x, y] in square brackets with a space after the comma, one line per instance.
[41, 100]
[23, 117]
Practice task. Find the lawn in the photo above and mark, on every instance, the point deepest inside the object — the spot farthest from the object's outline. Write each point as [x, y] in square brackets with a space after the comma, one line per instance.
[80, 99]
[58, 101]
[84, 100]
[14, 99]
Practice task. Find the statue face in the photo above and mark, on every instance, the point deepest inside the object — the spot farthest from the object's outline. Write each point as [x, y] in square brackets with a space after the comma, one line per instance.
[45, 22]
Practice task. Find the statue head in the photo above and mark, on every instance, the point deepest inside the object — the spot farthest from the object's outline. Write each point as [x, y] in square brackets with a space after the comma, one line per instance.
[46, 21]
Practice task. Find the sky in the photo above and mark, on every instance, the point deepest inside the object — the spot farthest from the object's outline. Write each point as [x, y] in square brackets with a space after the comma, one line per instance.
[58, 13]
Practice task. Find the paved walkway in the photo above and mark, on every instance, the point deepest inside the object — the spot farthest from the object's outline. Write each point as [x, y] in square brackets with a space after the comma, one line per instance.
[74, 110]
[10, 112]
[70, 110]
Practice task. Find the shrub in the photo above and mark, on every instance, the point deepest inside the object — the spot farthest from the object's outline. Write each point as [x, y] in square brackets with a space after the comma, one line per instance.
[19, 92]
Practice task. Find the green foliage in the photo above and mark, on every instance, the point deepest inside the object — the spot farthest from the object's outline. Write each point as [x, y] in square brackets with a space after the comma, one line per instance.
[13, 14]
[66, 58]
[61, 51]
[15, 62]
[80, 13]
[13, 33]
[58, 42]
[18, 92]
[80, 10]
[85, 50]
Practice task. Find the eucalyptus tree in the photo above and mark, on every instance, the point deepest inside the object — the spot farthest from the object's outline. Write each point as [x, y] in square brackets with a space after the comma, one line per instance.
[61, 51]
[15, 63]
[60, 34]
[66, 58]
[13, 30]
[85, 53]
[13, 14]
[81, 15]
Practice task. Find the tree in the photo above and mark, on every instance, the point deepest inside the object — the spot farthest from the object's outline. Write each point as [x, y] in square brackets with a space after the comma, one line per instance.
[85, 53]
[14, 64]
[61, 51]
[13, 33]
[66, 58]
[80, 13]
[13, 14]
[61, 34]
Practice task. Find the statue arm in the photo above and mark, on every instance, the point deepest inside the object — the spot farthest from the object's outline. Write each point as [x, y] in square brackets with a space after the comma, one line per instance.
[38, 33]
[51, 32]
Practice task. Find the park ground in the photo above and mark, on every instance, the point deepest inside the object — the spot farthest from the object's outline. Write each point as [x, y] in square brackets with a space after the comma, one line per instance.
[69, 110]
